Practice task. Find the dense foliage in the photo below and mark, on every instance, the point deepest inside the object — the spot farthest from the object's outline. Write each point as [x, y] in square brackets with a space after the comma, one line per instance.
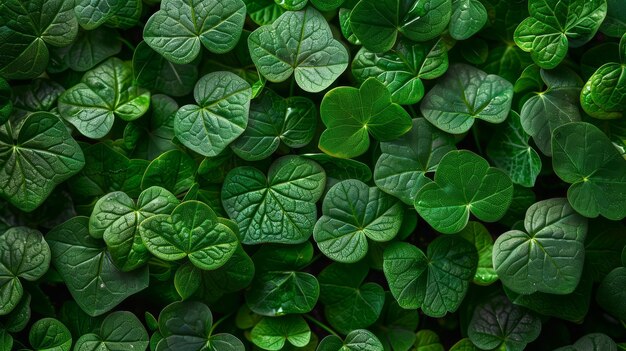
[314, 175]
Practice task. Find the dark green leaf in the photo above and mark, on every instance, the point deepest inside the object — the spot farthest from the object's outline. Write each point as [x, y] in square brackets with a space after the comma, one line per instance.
[120, 330]
[49, 334]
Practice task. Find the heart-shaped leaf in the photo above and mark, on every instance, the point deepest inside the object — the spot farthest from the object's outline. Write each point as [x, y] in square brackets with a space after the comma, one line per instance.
[403, 67]
[103, 93]
[120, 330]
[90, 48]
[276, 293]
[554, 25]
[192, 230]
[273, 120]
[464, 183]
[377, 23]
[221, 115]
[465, 94]
[351, 114]
[356, 340]
[116, 218]
[552, 246]
[271, 333]
[299, 43]
[591, 342]
[403, 163]
[279, 208]
[35, 156]
[48, 334]
[179, 28]
[352, 214]
[23, 254]
[468, 17]
[436, 282]
[585, 157]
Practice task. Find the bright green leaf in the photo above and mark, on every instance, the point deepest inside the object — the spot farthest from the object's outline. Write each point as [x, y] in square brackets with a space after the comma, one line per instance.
[271, 333]
[468, 17]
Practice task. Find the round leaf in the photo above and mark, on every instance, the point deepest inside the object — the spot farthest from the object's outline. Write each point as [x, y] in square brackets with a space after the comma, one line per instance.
[49, 334]
[272, 333]
[120, 330]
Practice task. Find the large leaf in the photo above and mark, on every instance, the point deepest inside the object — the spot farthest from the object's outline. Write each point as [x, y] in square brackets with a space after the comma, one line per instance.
[585, 157]
[437, 281]
[464, 183]
[35, 156]
[220, 116]
[552, 246]
[351, 115]
[354, 213]
[26, 28]
[302, 44]
[181, 27]
[554, 25]
[23, 254]
[402, 166]
[104, 92]
[116, 218]
[403, 67]
[279, 208]
[192, 230]
[88, 270]
[377, 23]
[465, 94]
[120, 330]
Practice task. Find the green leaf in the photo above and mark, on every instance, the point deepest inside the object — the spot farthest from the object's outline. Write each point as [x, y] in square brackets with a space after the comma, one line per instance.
[396, 327]
[543, 113]
[263, 12]
[555, 25]
[468, 18]
[608, 90]
[40, 95]
[83, 262]
[235, 275]
[403, 67]
[50, 335]
[292, 5]
[299, 43]
[351, 114]
[277, 293]
[18, 319]
[89, 49]
[338, 169]
[173, 170]
[356, 340]
[464, 345]
[552, 246]
[28, 26]
[116, 218]
[279, 208]
[603, 247]
[352, 214]
[327, 5]
[427, 340]
[36, 155]
[6, 340]
[273, 120]
[152, 71]
[464, 183]
[509, 150]
[377, 23]
[77, 321]
[507, 60]
[402, 166]
[500, 323]
[585, 157]
[187, 280]
[614, 24]
[271, 333]
[23, 254]
[274, 257]
[591, 342]
[6, 105]
[120, 330]
[192, 230]
[103, 93]
[187, 326]
[179, 28]
[349, 304]
[477, 234]
[611, 295]
[436, 282]
[220, 117]
[94, 13]
[465, 94]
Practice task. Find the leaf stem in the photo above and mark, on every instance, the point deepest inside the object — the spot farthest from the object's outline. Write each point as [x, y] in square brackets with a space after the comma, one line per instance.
[321, 325]
[292, 85]
[127, 43]
[477, 140]
[412, 111]
[219, 321]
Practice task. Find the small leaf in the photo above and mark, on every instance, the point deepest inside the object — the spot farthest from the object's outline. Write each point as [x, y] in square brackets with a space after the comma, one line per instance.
[611, 295]
[468, 18]
[276, 293]
[187, 280]
[173, 170]
[477, 234]
[427, 340]
[120, 330]
[50, 335]
[271, 333]
[591, 342]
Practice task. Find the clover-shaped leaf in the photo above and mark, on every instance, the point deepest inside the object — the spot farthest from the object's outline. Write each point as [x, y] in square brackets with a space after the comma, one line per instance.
[354, 213]
[464, 183]
[116, 218]
[356, 340]
[351, 114]
[299, 43]
[402, 166]
[585, 157]
[437, 281]
[274, 120]
[377, 23]
[271, 333]
[23, 254]
[277, 293]
[279, 208]
[103, 93]
[120, 330]
[552, 246]
[403, 67]
[35, 155]
[220, 116]
[192, 230]
[465, 94]
[180, 28]
[554, 25]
